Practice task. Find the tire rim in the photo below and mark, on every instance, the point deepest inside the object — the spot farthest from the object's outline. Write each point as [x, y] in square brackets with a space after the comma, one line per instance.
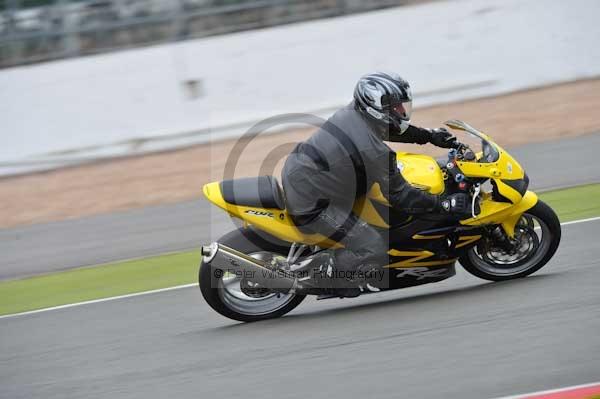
[243, 298]
[535, 238]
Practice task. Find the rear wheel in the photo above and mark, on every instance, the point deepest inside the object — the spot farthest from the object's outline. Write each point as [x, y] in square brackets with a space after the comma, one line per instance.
[237, 298]
[537, 236]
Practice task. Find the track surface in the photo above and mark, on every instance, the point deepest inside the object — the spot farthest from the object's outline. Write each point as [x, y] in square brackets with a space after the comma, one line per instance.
[462, 338]
[153, 230]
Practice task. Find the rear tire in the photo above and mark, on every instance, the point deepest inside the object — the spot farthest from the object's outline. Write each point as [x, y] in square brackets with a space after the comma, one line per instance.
[250, 242]
[548, 224]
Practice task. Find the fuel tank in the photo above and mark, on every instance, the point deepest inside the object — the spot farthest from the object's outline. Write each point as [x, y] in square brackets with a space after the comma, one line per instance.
[421, 171]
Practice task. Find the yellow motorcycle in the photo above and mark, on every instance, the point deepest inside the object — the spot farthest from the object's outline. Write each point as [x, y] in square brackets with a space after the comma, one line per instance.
[510, 234]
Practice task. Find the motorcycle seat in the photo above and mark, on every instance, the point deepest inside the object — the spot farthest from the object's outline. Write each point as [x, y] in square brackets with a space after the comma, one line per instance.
[260, 192]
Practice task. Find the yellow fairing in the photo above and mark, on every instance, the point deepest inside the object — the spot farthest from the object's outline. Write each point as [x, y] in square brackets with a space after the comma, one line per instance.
[421, 171]
[504, 168]
[502, 213]
[274, 221]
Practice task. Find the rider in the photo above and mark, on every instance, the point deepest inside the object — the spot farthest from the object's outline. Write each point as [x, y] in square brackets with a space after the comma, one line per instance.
[342, 160]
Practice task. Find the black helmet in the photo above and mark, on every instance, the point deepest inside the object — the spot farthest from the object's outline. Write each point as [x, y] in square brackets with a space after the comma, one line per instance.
[386, 99]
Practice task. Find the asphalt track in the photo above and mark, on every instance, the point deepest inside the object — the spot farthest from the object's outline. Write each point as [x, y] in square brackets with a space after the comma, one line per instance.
[154, 230]
[462, 338]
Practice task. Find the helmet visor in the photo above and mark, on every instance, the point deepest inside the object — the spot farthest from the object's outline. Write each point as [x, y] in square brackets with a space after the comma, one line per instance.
[403, 110]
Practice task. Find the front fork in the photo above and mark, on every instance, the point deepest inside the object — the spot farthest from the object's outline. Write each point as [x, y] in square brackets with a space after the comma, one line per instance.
[501, 238]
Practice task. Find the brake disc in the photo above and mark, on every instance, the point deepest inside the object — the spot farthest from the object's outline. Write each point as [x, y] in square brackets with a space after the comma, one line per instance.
[526, 243]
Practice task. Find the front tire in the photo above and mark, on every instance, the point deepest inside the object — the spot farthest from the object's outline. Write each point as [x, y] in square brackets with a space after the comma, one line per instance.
[482, 262]
[233, 297]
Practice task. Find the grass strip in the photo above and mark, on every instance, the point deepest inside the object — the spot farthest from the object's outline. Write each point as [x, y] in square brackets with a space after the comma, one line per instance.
[574, 203]
[88, 283]
[128, 277]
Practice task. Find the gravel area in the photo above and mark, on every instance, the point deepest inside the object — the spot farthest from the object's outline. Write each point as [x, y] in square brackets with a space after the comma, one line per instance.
[529, 116]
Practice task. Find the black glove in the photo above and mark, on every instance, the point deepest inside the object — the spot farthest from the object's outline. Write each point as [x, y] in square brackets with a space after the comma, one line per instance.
[442, 138]
[458, 204]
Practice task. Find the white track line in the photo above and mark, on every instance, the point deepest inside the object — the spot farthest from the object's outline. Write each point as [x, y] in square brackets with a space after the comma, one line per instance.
[70, 305]
[580, 221]
[112, 298]
[551, 391]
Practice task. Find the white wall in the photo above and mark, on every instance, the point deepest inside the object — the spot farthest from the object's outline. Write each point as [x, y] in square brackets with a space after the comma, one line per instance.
[104, 99]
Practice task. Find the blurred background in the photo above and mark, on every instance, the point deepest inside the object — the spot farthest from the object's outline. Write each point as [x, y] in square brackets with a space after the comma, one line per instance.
[114, 113]
[96, 81]
[43, 30]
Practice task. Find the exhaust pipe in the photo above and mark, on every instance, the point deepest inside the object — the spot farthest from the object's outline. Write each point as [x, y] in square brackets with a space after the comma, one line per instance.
[227, 259]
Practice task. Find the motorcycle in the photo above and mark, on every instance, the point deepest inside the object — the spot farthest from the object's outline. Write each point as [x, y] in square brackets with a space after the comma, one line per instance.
[510, 233]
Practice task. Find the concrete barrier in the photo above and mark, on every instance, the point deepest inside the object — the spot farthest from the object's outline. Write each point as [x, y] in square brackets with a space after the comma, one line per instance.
[158, 97]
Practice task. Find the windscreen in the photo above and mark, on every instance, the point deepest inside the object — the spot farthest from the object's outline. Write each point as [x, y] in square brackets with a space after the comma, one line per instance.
[476, 140]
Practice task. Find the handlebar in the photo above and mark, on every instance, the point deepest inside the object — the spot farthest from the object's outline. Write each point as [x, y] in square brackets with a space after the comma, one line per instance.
[461, 151]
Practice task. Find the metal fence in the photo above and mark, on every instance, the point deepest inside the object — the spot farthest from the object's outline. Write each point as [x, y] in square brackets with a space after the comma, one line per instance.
[40, 30]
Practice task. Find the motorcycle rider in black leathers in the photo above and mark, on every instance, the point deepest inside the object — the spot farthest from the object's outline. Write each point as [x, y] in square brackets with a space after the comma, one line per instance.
[342, 160]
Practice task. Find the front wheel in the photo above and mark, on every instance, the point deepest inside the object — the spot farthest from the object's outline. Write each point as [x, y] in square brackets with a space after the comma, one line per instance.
[537, 236]
[237, 298]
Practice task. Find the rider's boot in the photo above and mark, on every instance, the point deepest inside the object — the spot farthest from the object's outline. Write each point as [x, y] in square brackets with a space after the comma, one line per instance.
[370, 276]
[360, 281]
[318, 271]
[311, 270]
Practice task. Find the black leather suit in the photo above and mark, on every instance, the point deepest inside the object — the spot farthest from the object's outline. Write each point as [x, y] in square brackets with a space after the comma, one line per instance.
[340, 162]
